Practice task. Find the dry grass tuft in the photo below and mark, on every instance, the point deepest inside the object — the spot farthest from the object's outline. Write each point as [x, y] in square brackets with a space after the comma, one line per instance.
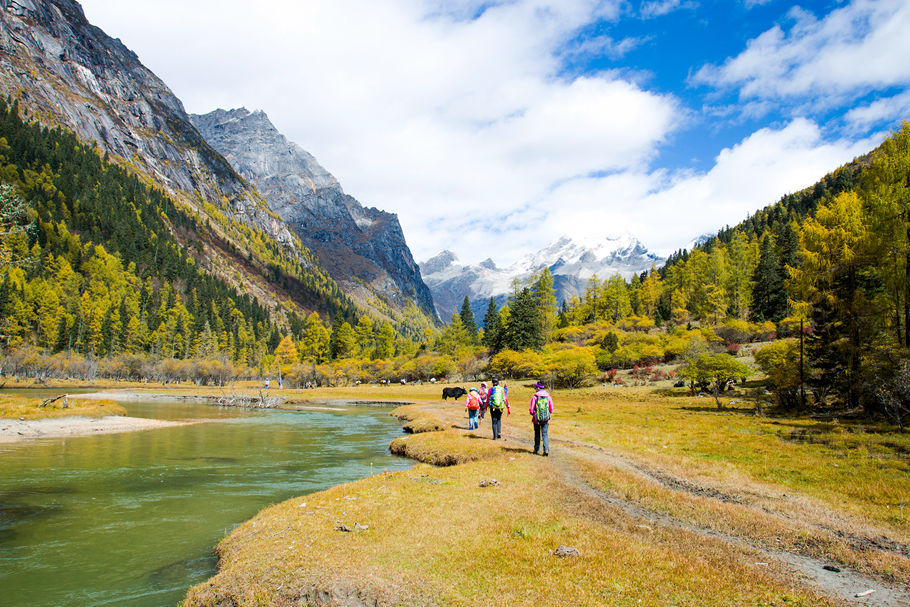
[14, 407]
[418, 421]
[449, 448]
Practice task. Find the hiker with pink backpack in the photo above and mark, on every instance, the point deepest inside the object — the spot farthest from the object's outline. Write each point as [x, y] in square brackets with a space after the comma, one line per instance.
[541, 411]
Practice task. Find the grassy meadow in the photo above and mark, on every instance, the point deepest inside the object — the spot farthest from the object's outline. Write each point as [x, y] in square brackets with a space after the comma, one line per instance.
[669, 500]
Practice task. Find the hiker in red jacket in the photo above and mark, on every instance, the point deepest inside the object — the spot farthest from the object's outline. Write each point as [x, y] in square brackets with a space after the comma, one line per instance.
[472, 404]
[541, 410]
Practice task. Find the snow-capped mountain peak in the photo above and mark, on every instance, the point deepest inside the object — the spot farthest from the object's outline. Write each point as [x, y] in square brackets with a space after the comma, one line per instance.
[571, 262]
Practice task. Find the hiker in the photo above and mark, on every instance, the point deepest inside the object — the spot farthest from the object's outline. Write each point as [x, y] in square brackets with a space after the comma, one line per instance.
[484, 400]
[472, 404]
[541, 410]
[499, 400]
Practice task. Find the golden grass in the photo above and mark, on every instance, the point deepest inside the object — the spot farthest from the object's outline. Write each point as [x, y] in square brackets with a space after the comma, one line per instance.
[856, 468]
[794, 526]
[435, 536]
[450, 448]
[417, 420]
[16, 407]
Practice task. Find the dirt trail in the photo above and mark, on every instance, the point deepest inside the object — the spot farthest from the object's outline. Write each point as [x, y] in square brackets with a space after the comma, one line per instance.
[844, 585]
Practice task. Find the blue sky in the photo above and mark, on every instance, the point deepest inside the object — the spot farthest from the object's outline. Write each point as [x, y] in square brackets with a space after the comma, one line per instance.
[494, 127]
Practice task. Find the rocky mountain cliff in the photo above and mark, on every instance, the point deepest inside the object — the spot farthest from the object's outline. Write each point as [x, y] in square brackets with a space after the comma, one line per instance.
[571, 264]
[363, 249]
[64, 71]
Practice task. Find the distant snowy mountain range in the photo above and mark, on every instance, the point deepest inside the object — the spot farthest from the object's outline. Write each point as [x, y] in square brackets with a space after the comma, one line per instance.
[571, 263]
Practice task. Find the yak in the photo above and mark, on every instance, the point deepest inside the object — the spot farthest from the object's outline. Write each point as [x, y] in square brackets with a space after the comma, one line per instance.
[455, 393]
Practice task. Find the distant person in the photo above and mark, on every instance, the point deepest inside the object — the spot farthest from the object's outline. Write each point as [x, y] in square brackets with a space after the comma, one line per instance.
[499, 400]
[266, 383]
[472, 404]
[541, 411]
[484, 400]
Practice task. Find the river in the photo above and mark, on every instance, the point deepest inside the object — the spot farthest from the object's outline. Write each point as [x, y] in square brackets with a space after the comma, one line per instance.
[132, 518]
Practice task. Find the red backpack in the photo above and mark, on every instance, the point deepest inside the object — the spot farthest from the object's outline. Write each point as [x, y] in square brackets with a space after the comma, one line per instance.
[473, 402]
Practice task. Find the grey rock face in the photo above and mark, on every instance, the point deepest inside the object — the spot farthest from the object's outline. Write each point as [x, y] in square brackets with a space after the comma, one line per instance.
[353, 242]
[67, 71]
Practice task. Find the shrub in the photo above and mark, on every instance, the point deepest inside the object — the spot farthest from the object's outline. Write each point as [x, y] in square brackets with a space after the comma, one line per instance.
[569, 368]
[780, 362]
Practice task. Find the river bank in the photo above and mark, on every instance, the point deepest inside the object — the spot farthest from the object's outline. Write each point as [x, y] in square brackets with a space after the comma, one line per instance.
[15, 430]
[594, 524]
[82, 418]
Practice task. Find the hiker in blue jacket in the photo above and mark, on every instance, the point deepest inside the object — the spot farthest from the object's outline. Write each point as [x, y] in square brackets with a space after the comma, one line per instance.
[541, 411]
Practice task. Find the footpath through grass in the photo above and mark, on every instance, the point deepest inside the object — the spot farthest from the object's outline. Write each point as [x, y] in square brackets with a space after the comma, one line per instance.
[854, 467]
[667, 500]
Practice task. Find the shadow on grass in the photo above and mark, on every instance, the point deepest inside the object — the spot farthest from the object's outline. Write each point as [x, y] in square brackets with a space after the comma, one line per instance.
[502, 445]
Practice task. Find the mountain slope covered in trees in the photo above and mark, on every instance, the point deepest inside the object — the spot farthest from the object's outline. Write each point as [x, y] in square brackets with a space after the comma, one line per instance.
[101, 263]
[64, 71]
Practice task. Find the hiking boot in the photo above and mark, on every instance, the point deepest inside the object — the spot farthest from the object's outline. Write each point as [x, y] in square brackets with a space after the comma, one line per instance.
[546, 453]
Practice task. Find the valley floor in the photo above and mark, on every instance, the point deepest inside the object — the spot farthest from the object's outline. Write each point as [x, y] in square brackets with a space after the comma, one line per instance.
[666, 501]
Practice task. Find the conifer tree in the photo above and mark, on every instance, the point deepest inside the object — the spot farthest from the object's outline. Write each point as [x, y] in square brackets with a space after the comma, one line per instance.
[545, 296]
[316, 339]
[364, 337]
[385, 342]
[834, 279]
[286, 353]
[769, 299]
[523, 330]
[492, 328]
[467, 319]
[345, 341]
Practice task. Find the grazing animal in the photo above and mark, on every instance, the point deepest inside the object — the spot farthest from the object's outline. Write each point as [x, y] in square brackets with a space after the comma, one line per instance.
[455, 393]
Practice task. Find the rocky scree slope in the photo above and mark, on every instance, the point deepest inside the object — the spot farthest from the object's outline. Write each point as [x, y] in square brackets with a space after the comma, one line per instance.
[364, 249]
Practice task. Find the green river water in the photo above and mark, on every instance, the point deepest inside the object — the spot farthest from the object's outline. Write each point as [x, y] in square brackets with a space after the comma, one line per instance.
[132, 518]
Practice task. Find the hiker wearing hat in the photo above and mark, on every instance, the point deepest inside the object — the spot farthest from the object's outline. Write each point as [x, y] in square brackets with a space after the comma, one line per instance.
[484, 400]
[499, 400]
[472, 404]
[541, 410]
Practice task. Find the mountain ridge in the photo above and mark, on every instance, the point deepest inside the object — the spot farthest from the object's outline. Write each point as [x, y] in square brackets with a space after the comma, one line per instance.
[358, 245]
[66, 72]
[571, 263]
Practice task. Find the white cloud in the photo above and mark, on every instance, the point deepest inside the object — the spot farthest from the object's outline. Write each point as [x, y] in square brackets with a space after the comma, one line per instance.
[853, 49]
[659, 8]
[887, 110]
[418, 108]
[673, 208]
[455, 116]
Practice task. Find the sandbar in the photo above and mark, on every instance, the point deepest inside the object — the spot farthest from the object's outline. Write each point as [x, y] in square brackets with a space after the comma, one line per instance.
[17, 430]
